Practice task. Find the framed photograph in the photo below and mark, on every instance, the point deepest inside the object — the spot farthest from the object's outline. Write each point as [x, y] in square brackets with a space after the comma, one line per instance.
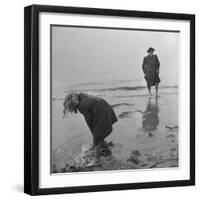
[109, 99]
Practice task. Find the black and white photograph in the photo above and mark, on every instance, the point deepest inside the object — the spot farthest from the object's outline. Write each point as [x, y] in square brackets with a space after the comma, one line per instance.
[114, 99]
[99, 99]
[109, 99]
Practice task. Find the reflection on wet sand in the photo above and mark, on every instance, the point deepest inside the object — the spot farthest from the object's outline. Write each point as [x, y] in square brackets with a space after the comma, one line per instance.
[150, 119]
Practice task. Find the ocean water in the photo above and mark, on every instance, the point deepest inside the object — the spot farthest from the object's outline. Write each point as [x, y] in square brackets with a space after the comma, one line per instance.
[107, 63]
[137, 117]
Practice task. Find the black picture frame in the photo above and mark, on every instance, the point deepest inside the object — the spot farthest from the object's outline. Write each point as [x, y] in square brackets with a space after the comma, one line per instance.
[31, 98]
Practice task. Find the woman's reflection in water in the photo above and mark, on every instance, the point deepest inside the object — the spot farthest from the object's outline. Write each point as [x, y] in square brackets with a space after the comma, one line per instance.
[150, 119]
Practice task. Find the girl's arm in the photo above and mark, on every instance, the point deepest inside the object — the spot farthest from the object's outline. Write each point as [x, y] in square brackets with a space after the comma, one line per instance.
[88, 119]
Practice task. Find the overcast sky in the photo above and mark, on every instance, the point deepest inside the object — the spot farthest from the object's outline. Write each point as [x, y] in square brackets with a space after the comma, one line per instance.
[80, 54]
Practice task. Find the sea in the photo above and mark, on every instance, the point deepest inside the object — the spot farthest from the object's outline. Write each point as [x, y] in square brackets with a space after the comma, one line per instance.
[138, 116]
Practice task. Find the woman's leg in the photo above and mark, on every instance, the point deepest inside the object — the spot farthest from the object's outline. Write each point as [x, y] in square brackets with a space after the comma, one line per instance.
[156, 85]
[148, 85]
[149, 89]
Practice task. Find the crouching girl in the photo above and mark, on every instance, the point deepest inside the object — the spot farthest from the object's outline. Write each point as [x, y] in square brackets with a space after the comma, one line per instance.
[98, 115]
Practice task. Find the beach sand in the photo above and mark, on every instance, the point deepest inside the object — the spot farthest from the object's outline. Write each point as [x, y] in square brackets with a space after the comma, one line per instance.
[145, 136]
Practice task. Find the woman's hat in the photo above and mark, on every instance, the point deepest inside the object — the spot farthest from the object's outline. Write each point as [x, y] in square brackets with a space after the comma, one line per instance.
[150, 49]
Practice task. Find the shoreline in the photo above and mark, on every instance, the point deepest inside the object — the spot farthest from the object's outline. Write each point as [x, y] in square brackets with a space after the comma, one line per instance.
[142, 127]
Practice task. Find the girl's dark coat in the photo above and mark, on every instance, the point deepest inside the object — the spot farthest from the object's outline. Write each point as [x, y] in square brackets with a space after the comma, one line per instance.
[99, 116]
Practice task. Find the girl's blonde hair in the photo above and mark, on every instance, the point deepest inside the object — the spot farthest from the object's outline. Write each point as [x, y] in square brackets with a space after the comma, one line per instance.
[69, 106]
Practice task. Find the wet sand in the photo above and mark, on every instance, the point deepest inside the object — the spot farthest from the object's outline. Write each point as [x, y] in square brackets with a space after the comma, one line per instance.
[145, 136]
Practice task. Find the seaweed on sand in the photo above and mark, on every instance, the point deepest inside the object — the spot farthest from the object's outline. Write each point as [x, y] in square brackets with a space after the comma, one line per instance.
[134, 157]
[121, 104]
[125, 114]
[82, 162]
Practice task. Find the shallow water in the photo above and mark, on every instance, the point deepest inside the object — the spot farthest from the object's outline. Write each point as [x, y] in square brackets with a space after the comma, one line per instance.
[141, 127]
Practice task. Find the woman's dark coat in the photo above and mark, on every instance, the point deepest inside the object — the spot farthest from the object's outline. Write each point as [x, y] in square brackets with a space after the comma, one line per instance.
[99, 116]
[150, 68]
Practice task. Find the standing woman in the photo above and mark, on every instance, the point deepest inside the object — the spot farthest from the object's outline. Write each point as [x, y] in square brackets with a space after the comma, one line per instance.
[98, 115]
[150, 67]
